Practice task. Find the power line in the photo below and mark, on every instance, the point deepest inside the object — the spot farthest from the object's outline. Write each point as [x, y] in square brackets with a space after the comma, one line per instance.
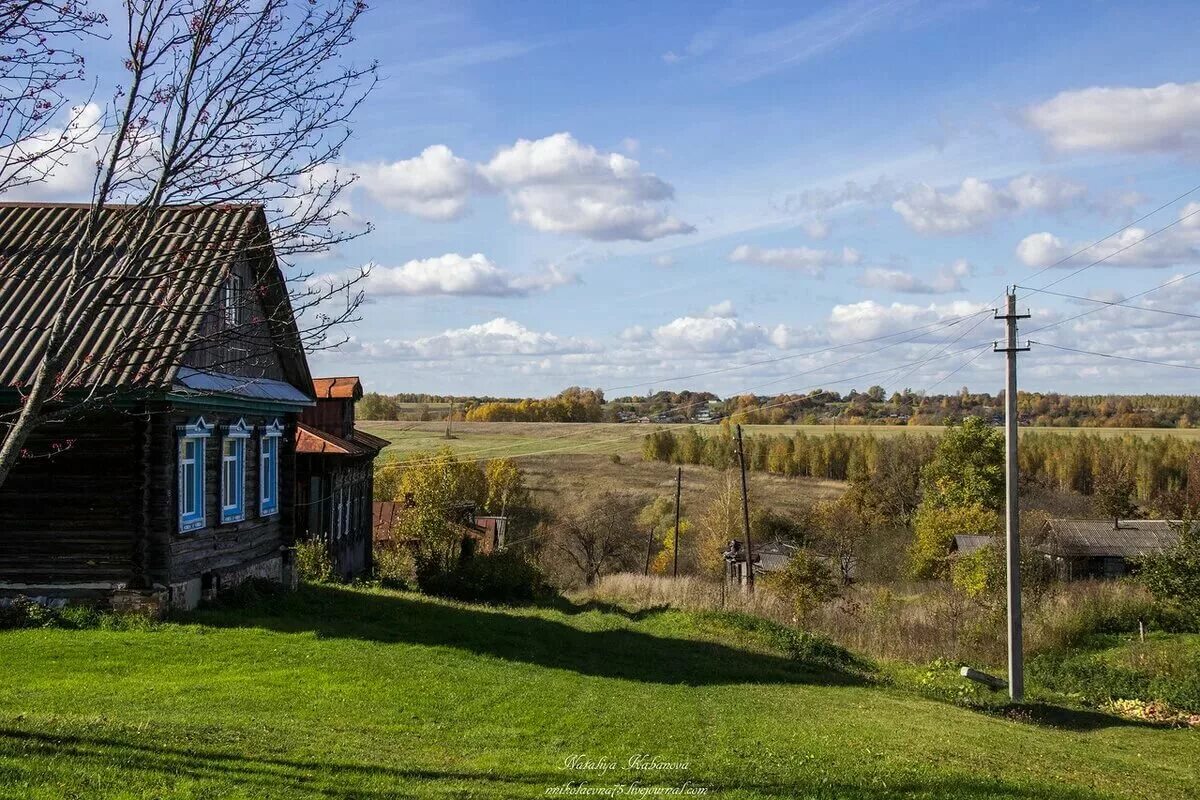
[1145, 216]
[1113, 355]
[1120, 303]
[1102, 308]
[1117, 252]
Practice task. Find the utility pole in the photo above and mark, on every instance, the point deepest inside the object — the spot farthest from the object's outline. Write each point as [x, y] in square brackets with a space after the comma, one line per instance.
[678, 488]
[1012, 519]
[649, 547]
[745, 514]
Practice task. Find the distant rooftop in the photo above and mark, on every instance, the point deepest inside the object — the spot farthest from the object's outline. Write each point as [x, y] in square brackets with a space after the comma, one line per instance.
[1081, 538]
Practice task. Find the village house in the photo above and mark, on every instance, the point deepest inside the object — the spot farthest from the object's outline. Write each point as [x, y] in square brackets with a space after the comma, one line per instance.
[176, 480]
[768, 557]
[1104, 548]
[335, 476]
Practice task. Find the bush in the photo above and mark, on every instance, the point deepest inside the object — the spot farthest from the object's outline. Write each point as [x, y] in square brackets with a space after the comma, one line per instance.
[395, 566]
[1157, 671]
[1173, 577]
[313, 563]
[503, 577]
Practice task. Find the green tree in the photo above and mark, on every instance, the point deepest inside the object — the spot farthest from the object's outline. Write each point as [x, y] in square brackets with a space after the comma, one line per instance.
[1114, 490]
[935, 528]
[806, 582]
[967, 468]
[1173, 576]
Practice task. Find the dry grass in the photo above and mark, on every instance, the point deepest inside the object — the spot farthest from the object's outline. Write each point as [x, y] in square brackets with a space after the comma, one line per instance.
[915, 623]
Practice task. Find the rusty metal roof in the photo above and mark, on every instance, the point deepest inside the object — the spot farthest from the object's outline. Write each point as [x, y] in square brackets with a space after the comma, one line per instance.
[1078, 538]
[315, 441]
[348, 388]
[138, 339]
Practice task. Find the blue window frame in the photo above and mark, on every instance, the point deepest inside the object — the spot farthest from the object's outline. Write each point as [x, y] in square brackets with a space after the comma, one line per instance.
[233, 471]
[268, 469]
[192, 438]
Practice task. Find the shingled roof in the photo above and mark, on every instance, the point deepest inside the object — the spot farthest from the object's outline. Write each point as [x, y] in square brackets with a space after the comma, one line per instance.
[1083, 538]
[139, 339]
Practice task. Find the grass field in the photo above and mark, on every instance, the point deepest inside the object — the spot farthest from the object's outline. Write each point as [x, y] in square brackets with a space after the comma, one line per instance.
[520, 439]
[575, 460]
[357, 693]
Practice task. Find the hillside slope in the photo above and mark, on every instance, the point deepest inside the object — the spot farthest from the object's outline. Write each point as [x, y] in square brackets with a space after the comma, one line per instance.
[350, 693]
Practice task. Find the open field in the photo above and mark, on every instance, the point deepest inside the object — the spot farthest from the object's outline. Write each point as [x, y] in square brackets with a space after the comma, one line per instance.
[513, 439]
[575, 460]
[358, 693]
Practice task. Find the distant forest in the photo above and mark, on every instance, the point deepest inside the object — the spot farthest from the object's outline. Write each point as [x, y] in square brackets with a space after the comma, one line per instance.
[872, 406]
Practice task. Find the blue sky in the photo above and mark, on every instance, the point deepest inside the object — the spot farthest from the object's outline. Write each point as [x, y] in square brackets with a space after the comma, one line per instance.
[614, 194]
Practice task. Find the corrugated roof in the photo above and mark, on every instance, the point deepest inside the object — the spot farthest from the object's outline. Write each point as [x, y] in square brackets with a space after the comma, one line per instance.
[138, 339]
[1077, 538]
[347, 388]
[966, 544]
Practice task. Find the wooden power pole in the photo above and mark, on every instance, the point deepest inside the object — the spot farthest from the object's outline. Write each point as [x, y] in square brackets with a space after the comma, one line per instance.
[1016, 656]
[678, 489]
[745, 514]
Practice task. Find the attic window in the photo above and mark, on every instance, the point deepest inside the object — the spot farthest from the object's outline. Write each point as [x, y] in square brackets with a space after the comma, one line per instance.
[232, 301]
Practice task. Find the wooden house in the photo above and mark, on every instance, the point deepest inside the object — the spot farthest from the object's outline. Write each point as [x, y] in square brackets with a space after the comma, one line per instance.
[1104, 548]
[335, 476]
[174, 480]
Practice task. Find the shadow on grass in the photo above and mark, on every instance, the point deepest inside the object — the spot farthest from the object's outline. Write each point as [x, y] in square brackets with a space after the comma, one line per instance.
[1067, 719]
[32, 759]
[335, 612]
[570, 609]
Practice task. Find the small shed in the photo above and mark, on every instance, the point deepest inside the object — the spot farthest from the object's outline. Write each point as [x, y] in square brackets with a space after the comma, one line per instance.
[1104, 548]
[768, 557]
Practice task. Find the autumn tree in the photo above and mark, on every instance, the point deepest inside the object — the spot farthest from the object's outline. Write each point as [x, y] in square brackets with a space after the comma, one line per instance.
[962, 491]
[601, 538]
[222, 102]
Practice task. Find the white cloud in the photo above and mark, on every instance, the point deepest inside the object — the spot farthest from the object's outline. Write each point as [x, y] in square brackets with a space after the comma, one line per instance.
[664, 260]
[630, 145]
[850, 193]
[69, 171]
[454, 274]
[869, 319]
[1164, 119]
[722, 309]
[710, 334]
[1132, 247]
[497, 337]
[435, 185]
[975, 203]
[948, 279]
[805, 259]
[560, 185]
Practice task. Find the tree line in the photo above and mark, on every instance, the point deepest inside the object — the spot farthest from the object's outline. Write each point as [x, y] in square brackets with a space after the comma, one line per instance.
[1157, 467]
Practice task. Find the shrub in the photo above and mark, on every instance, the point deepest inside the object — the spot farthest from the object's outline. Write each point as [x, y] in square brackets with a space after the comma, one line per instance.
[503, 577]
[25, 613]
[1069, 614]
[806, 582]
[1173, 577]
[395, 566]
[313, 563]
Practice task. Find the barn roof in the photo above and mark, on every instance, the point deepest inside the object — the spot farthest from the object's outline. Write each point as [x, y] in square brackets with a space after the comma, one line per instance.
[1078, 538]
[139, 339]
[347, 388]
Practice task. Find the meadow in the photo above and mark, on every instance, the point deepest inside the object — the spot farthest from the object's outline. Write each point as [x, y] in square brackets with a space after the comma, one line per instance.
[344, 692]
[513, 439]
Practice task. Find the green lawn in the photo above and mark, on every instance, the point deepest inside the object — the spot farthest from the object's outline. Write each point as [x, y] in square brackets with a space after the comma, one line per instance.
[350, 693]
